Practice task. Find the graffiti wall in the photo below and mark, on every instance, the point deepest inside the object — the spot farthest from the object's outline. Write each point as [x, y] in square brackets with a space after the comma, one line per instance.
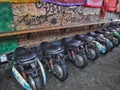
[28, 16]
[41, 15]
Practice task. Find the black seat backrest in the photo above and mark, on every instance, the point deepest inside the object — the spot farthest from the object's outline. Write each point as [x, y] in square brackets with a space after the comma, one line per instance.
[20, 51]
[105, 29]
[110, 28]
[89, 38]
[79, 37]
[46, 44]
[100, 35]
[98, 31]
[107, 32]
[91, 33]
[65, 40]
[37, 50]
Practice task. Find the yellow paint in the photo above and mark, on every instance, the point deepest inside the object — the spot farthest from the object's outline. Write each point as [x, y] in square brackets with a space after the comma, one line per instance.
[19, 1]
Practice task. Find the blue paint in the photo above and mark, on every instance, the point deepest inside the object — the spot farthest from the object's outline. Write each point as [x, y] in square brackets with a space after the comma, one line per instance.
[103, 50]
[110, 43]
[26, 86]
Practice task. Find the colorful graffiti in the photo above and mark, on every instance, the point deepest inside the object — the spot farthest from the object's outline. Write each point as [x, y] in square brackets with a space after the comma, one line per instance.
[42, 14]
[28, 14]
[66, 2]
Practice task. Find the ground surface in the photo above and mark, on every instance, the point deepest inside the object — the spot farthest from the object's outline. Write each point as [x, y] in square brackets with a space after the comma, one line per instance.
[103, 74]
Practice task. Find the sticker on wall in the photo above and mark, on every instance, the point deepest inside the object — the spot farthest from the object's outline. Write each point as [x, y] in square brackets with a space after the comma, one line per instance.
[108, 5]
[18, 1]
[66, 2]
[6, 18]
[112, 5]
[94, 3]
[118, 6]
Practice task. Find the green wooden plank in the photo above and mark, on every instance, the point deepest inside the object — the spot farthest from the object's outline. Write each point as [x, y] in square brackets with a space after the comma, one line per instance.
[6, 18]
[8, 44]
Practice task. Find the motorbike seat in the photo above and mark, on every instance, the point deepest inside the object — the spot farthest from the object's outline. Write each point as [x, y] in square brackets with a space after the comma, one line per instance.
[51, 48]
[84, 38]
[21, 54]
[79, 37]
[110, 28]
[107, 32]
[71, 42]
[105, 29]
[113, 30]
[92, 34]
[99, 31]
[89, 38]
[117, 28]
[100, 35]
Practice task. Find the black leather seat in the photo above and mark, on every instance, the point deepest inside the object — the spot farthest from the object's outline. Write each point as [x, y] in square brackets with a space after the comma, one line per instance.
[74, 43]
[84, 38]
[113, 30]
[105, 29]
[88, 38]
[51, 48]
[21, 54]
[95, 35]
[110, 28]
[71, 42]
[99, 31]
[100, 35]
[92, 34]
[103, 32]
[117, 28]
[79, 37]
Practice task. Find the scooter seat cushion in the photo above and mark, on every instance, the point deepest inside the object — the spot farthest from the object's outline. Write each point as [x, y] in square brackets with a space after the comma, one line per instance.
[75, 43]
[99, 31]
[71, 42]
[51, 48]
[92, 34]
[23, 55]
[84, 38]
[100, 35]
[88, 39]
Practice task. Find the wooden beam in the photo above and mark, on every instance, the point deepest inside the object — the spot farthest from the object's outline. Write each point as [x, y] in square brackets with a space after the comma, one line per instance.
[47, 29]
